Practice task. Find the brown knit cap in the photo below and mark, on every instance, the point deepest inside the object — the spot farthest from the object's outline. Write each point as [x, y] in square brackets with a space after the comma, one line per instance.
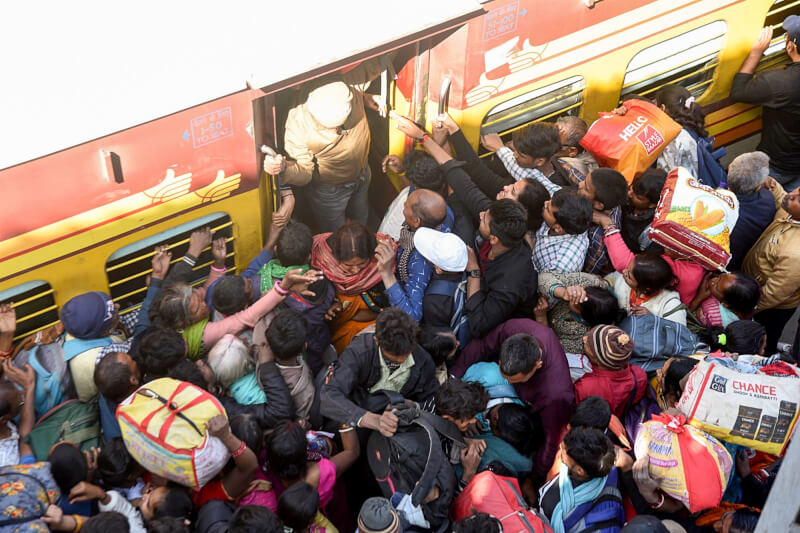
[611, 346]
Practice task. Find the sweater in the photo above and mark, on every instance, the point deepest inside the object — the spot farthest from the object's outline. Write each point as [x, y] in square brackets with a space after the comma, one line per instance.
[614, 386]
[548, 392]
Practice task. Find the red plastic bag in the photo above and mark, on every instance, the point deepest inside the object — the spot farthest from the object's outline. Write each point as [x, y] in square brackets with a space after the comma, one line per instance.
[630, 143]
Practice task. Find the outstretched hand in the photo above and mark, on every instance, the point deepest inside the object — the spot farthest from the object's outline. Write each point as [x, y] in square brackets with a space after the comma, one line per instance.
[295, 281]
[762, 42]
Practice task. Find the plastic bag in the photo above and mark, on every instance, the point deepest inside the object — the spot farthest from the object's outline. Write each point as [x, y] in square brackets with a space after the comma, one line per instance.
[163, 425]
[693, 466]
[755, 410]
[694, 220]
[630, 143]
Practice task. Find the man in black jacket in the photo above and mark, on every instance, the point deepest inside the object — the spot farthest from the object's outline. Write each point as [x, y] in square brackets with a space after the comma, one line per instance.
[390, 360]
[502, 282]
[778, 92]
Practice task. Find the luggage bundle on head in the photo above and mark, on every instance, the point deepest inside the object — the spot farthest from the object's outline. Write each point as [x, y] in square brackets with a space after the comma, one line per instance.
[693, 466]
[25, 493]
[656, 339]
[502, 498]
[694, 220]
[630, 143]
[72, 421]
[412, 461]
[755, 410]
[163, 425]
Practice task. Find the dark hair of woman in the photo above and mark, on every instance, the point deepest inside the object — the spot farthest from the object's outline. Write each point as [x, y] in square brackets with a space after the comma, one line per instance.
[352, 241]
[681, 107]
[652, 273]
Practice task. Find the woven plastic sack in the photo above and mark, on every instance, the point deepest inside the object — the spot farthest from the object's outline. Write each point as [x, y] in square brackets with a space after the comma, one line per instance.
[630, 143]
[693, 467]
[163, 425]
[755, 410]
[694, 220]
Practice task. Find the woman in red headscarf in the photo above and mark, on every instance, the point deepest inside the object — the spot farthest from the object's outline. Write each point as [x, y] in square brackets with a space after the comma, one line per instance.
[347, 258]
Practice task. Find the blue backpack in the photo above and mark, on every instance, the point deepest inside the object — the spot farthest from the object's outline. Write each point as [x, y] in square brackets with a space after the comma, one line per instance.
[656, 339]
[50, 362]
[709, 169]
[603, 514]
[458, 319]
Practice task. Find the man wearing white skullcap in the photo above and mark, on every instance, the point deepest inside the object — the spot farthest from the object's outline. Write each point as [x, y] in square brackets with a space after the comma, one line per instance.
[448, 255]
[327, 140]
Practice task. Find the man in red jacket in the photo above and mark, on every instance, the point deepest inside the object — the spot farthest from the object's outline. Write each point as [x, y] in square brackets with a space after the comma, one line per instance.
[609, 349]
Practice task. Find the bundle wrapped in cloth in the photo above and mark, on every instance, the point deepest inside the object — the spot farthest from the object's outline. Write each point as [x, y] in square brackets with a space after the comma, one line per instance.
[693, 467]
[743, 404]
[630, 143]
[694, 220]
[163, 426]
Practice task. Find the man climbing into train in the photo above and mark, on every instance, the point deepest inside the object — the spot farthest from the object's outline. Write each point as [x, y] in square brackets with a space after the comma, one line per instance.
[327, 138]
[778, 92]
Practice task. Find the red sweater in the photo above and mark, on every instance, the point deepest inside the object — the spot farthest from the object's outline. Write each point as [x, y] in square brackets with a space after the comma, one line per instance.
[614, 386]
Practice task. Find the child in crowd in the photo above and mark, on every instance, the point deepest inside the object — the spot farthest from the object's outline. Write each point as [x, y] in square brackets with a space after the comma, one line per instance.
[609, 350]
[637, 214]
[646, 286]
[298, 508]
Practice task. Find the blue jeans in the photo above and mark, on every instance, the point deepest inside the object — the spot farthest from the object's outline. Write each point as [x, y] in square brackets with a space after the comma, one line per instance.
[331, 203]
[789, 181]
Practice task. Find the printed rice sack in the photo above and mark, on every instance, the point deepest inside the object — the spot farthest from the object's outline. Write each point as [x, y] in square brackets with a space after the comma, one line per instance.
[630, 143]
[693, 466]
[755, 410]
[164, 428]
[694, 220]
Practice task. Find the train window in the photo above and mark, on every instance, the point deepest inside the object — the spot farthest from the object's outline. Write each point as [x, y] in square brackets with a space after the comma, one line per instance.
[775, 56]
[35, 306]
[557, 99]
[128, 267]
[688, 59]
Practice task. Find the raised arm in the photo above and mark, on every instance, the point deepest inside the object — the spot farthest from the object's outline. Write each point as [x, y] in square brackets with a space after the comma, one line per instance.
[235, 481]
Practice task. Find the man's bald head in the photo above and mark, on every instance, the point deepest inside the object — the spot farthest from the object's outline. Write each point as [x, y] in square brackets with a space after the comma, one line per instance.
[424, 209]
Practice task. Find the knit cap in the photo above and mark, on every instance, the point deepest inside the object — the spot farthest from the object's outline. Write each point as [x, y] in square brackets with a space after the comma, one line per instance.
[378, 516]
[88, 315]
[610, 345]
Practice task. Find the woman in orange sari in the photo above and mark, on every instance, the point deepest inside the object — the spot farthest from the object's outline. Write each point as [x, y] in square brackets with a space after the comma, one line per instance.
[347, 258]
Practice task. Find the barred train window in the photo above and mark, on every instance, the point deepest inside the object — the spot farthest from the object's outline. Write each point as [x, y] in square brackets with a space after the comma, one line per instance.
[128, 267]
[35, 306]
[775, 57]
[688, 59]
[545, 103]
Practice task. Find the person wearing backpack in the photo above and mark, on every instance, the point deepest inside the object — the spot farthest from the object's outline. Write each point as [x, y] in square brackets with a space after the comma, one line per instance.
[445, 297]
[584, 495]
[692, 148]
[390, 360]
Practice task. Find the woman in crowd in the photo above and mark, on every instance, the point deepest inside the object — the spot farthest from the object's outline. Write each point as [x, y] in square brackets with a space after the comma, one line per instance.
[181, 308]
[645, 286]
[681, 106]
[725, 298]
[347, 258]
[573, 303]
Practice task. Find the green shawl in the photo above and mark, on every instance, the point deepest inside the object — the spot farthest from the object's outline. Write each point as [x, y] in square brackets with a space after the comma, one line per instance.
[274, 270]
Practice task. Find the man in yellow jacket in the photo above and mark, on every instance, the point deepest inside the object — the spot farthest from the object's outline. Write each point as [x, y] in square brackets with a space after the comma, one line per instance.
[327, 140]
[774, 260]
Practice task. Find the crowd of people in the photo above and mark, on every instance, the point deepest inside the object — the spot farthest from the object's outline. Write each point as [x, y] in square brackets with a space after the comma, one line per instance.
[370, 380]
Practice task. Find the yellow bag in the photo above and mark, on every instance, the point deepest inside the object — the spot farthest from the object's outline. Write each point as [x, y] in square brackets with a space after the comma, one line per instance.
[163, 425]
[693, 467]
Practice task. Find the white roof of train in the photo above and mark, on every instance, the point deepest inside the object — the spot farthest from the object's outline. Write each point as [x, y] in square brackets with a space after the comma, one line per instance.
[77, 71]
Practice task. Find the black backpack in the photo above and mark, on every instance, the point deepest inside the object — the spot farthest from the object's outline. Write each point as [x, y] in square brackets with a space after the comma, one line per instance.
[413, 461]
